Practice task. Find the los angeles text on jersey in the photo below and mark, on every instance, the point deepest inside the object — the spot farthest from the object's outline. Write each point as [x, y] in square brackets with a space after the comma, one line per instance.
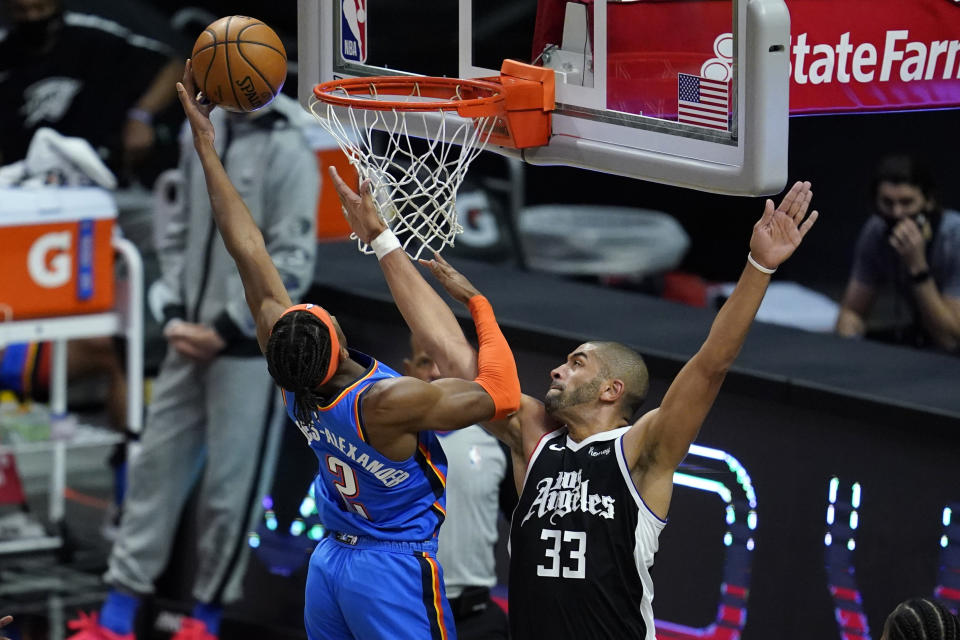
[567, 493]
[389, 476]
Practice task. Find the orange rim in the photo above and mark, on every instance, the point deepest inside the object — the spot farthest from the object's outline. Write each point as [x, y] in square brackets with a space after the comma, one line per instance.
[473, 98]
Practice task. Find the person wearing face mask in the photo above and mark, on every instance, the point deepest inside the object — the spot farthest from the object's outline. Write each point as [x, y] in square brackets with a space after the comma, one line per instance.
[912, 244]
[82, 75]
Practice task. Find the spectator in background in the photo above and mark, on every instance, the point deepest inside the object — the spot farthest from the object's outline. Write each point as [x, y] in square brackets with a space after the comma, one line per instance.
[921, 619]
[82, 75]
[210, 418]
[912, 243]
[479, 484]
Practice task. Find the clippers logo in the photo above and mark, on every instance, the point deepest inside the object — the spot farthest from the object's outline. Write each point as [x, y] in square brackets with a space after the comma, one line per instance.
[49, 260]
[568, 492]
[353, 30]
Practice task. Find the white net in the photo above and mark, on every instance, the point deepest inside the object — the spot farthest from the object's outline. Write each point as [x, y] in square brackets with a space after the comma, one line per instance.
[414, 180]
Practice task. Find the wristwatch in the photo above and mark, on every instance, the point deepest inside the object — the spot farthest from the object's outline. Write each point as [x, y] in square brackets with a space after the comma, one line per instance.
[920, 277]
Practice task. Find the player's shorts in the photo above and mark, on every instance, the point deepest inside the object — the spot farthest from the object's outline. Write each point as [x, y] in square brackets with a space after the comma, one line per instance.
[367, 589]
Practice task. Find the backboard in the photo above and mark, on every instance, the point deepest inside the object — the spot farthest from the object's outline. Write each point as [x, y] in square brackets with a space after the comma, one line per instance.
[692, 93]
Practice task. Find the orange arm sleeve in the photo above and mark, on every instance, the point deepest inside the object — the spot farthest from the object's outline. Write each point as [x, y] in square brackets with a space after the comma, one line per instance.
[497, 369]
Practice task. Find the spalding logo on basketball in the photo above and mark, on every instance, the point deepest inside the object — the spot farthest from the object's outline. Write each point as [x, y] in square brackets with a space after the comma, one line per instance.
[239, 63]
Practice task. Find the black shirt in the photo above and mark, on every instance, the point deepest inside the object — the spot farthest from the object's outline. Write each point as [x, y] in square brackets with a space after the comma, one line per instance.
[83, 85]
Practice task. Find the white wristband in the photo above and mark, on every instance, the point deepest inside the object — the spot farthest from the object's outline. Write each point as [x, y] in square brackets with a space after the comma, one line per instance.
[384, 243]
[759, 267]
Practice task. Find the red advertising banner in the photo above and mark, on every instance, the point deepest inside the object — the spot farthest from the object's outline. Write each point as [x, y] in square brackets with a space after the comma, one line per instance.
[874, 55]
[846, 55]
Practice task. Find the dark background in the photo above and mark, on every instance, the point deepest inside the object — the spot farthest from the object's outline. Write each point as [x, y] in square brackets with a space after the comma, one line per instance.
[790, 444]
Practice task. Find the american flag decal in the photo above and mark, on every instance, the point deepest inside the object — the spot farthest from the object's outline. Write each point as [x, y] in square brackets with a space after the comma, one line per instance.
[703, 102]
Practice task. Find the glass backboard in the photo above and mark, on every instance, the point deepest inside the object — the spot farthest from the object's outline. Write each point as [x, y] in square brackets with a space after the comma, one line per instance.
[692, 93]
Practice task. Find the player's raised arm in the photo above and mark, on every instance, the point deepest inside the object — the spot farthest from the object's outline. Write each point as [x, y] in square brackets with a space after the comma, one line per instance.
[430, 319]
[262, 285]
[521, 431]
[658, 442]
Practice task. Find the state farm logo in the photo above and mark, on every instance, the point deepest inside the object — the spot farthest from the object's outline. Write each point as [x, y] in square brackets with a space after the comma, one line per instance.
[49, 260]
[898, 58]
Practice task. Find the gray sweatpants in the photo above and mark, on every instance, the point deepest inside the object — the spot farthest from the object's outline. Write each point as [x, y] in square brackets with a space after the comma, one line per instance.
[210, 423]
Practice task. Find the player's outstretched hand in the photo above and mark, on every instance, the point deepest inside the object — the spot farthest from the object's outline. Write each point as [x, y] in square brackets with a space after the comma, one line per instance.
[779, 231]
[4, 621]
[451, 279]
[359, 209]
[195, 106]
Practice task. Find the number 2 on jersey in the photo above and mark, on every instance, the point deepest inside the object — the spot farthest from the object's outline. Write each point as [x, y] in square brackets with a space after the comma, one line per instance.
[346, 484]
[555, 567]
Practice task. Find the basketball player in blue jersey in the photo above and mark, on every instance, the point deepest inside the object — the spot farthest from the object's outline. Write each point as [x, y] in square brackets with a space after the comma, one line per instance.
[595, 485]
[380, 488]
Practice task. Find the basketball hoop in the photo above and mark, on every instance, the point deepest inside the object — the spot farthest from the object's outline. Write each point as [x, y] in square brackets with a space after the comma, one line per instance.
[415, 184]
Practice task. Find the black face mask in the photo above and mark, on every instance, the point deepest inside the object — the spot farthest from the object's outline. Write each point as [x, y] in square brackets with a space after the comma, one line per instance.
[38, 34]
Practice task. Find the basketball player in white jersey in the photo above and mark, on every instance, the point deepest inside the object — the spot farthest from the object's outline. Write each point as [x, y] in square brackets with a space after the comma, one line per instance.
[595, 486]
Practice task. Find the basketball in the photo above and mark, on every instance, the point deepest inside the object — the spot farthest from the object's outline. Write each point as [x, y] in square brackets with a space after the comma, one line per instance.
[239, 63]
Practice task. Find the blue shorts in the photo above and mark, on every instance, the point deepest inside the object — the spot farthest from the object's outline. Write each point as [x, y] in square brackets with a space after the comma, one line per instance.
[371, 589]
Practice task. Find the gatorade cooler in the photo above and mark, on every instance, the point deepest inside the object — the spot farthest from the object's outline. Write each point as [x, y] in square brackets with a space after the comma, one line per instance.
[56, 256]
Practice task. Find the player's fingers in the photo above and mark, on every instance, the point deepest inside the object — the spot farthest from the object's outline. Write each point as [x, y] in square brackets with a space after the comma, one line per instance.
[801, 202]
[366, 188]
[187, 76]
[188, 81]
[788, 199]
[184, 98]
[768, 212]
[341, 187]
[435, 270]
[808, 223]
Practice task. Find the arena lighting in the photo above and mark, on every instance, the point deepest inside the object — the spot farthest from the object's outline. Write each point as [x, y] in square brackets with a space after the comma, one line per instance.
[948, 583]
[730, 481]
[841, 575]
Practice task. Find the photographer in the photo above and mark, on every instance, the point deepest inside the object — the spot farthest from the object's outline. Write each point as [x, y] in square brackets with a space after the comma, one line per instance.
[913, 244]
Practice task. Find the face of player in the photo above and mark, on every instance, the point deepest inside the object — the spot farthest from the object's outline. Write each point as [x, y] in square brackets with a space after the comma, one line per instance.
[577, 381]
[896, 201]
[422, 366]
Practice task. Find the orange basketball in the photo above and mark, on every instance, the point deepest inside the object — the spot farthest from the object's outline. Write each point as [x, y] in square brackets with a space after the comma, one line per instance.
[239, 63]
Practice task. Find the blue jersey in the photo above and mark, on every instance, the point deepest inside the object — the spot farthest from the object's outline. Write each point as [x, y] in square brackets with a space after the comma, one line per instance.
[358, 490]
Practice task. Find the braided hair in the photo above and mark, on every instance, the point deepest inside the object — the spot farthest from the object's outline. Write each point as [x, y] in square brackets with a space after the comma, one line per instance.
[922, 619]
[298, 354]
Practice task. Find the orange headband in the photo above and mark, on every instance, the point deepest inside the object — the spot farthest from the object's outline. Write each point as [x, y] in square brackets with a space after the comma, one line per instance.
[324, 317]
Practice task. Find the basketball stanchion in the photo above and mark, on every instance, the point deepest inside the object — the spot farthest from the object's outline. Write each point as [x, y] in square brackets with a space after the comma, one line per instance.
[415, 185]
